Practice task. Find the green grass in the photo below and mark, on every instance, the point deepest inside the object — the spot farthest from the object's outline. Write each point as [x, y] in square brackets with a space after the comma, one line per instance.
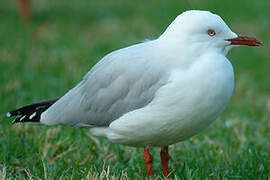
[43, 58]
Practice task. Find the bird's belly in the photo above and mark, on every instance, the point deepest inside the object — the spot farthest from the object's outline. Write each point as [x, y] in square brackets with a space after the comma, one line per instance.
[179, 111]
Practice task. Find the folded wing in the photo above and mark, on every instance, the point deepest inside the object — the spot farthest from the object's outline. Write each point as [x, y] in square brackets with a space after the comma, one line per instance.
[121, 82]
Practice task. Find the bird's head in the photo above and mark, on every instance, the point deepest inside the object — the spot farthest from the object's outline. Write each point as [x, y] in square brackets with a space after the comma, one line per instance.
[203, 31]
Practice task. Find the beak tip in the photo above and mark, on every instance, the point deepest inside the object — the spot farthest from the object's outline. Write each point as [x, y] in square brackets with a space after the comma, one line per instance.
[245, 40]
[258, 43]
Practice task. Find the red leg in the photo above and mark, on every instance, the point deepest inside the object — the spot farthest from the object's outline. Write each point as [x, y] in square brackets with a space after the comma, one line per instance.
[164, 156]
[147, 157]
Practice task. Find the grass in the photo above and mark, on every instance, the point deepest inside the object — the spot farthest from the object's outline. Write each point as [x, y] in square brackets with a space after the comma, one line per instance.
[43, 58]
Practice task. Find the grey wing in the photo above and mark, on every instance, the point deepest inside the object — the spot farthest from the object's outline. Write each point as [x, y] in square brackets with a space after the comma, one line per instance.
[121, 82]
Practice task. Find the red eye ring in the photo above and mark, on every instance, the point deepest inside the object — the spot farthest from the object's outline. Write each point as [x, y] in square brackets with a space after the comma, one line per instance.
[211, 32]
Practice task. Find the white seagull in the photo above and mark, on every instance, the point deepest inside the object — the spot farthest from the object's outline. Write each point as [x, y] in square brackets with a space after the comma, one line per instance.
[155, 93]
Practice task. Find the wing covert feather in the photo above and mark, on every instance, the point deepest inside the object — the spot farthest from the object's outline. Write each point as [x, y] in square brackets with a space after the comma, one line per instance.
[122, 81]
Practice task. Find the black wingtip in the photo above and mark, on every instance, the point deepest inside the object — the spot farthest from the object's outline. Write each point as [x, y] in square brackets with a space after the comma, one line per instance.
[30, 113]
[15, 121]
[9, 114]
[23, 118]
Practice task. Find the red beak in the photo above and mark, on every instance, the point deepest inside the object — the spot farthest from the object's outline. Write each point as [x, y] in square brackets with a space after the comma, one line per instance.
[245, 40]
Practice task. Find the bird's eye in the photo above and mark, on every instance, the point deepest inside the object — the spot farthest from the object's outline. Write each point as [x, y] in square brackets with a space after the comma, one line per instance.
[211, 32]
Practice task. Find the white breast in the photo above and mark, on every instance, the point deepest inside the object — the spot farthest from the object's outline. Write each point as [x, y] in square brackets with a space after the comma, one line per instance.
[191, 100]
